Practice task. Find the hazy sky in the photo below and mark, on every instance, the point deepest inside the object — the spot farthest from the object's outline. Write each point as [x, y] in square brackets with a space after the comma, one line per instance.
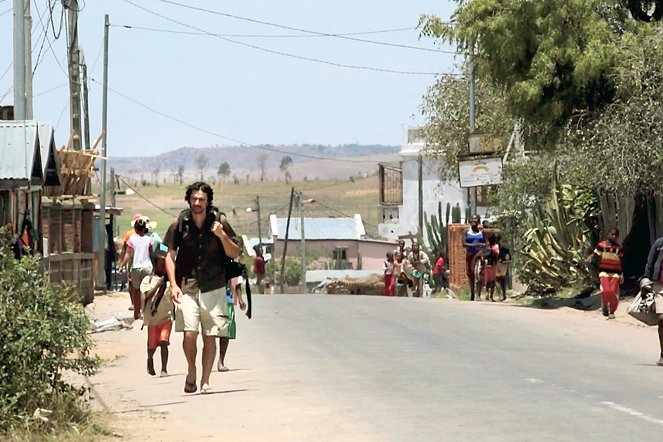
[233, 90]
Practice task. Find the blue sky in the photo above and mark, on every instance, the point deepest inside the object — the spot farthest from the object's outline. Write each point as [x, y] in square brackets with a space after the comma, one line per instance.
[231, 90]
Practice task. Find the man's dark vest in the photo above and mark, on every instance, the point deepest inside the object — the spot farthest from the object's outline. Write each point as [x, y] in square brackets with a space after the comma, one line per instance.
[203, 251]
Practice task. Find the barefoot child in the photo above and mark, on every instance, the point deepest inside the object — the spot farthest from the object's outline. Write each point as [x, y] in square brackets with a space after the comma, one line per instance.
[157, 313]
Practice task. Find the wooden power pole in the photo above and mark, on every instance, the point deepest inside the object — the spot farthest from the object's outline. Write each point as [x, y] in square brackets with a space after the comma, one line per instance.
[73, 53]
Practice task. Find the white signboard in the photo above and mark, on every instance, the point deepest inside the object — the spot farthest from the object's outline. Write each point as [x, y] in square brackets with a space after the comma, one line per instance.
[480, 172]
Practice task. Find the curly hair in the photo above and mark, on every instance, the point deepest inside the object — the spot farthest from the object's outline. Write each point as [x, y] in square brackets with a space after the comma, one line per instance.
[199, 185]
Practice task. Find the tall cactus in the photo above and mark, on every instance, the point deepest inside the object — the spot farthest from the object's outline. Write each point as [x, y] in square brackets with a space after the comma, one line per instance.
[455, 214]
[437, 232]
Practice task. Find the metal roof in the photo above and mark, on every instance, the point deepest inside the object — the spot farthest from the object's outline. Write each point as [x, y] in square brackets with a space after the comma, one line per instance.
[49, 157]
[320, 228]
[20, 156]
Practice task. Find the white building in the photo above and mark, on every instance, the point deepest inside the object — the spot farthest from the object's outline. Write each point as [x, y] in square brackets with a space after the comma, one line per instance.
[399, 190]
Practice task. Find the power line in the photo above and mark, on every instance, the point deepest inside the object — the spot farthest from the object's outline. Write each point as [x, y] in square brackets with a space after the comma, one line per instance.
[51, 89]
[172, 31]
[286, 54]
[143, 197]
[243, 143]
[307, 31]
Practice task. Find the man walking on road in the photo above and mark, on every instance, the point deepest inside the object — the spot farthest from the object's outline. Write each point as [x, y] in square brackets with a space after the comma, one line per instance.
[200, 244]
[653, 272]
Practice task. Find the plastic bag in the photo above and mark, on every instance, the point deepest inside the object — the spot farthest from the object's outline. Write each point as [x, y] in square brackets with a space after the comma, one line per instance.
[643, 307]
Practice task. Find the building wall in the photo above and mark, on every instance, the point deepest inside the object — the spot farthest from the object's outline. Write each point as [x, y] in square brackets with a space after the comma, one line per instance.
[373, 254]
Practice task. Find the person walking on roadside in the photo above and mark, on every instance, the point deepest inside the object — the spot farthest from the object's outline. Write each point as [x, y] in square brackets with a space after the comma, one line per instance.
[608, 256]
[139, 252]
[233, 298]
[653, 271]
[473, 241]
[420, 265]
[388, 270]
[200, 244]
[157, 313]
[259, 269]
[440, 274]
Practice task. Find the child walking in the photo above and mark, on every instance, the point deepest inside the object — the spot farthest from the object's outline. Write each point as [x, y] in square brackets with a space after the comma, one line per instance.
[157, 313]
[609, 254]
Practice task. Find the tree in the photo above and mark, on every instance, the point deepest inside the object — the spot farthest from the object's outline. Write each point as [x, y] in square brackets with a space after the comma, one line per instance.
[201, 163]
[224, 170]
[262, 162]
[446, 110]
[551, 57]
[180, 173]
[155, 175]
[286, 161]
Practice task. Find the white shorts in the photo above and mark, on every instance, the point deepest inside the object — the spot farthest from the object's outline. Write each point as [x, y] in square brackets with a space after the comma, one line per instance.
[198, 311]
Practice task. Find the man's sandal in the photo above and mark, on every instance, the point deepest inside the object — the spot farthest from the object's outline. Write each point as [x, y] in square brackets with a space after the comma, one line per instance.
[190, 387]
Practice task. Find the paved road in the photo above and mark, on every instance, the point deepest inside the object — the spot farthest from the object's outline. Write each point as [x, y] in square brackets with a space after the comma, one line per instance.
[318, 367]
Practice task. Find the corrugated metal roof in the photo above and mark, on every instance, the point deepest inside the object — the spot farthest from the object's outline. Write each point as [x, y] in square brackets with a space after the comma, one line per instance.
[49, 158]
[322, 228]
[20, 158]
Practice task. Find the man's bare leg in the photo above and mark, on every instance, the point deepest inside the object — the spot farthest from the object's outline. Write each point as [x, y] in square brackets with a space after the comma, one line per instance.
[190, 350]
[209, 354]
[660, 337]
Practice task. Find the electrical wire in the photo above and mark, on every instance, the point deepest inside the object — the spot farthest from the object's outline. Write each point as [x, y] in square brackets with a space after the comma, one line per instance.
[242, 143]
[172, 31]
[286, 54]
[338, 212]
[50, 90]
[307, 31]
[7, 11]
[129, 186]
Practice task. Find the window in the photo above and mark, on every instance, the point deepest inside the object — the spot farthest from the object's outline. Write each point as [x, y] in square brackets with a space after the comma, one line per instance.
[340, 254]
[391, 185]
[415, 136]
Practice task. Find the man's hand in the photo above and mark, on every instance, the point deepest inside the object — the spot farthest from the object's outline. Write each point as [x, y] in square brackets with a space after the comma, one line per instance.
[242, 305]
[217, 229]
[175, 294]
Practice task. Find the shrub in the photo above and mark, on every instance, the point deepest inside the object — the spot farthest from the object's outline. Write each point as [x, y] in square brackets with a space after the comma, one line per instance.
[43, 337]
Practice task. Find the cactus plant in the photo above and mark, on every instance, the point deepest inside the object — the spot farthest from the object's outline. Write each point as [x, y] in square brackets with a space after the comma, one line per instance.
[437, 231]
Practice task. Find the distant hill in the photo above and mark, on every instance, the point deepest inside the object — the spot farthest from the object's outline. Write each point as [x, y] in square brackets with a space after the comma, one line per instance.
[309, 161]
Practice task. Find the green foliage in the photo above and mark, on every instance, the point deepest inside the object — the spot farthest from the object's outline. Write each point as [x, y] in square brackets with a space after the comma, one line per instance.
[558, 239]
[621, 148]
[446, 109]
[224, 170]
[43, 336]
[438, 233]
[293, 271]
[552, 57]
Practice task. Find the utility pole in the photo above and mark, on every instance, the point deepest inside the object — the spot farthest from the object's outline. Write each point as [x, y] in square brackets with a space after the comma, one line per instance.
[73, 53]
[27, 30]
[86, 105]
[19, 60]
[420, 176]
[285, 244]
[112, 199]
[259, 229]
[473, 190]
[300, 200]
[104, 140]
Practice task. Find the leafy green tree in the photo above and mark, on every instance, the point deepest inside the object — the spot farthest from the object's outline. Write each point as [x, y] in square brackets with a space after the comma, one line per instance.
[223, 170]
[552, 57]
[446, 109]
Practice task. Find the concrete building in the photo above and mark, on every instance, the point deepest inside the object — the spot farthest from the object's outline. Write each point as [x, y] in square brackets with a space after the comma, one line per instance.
[402, 183]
